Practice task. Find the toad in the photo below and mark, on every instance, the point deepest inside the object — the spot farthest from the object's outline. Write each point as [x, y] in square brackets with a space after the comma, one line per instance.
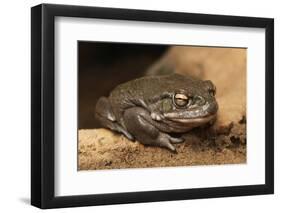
[150, 109]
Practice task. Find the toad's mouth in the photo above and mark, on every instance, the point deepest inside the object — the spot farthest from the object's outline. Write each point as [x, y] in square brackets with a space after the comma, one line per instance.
[204, 119]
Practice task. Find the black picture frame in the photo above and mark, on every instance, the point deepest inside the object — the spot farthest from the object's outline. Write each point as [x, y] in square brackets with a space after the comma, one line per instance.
[43, 117]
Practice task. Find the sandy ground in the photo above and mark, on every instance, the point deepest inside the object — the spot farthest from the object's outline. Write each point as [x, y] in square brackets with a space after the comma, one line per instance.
[113, 151]
[223, 143]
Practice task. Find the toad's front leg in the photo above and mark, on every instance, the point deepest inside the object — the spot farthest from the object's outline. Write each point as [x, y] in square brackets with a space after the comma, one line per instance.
[139, 123]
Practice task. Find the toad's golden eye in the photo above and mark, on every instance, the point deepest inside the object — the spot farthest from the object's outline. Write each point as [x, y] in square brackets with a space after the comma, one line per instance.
[181, 100]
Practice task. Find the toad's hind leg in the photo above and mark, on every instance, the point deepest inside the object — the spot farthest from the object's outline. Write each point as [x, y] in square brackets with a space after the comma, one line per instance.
[106, 117]
[140, 124]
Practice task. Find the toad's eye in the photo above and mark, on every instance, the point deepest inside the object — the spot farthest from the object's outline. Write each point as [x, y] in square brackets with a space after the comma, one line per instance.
[181, 100]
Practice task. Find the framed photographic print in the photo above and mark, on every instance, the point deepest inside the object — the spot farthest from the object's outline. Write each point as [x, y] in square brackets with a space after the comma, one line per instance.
[139, 106]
